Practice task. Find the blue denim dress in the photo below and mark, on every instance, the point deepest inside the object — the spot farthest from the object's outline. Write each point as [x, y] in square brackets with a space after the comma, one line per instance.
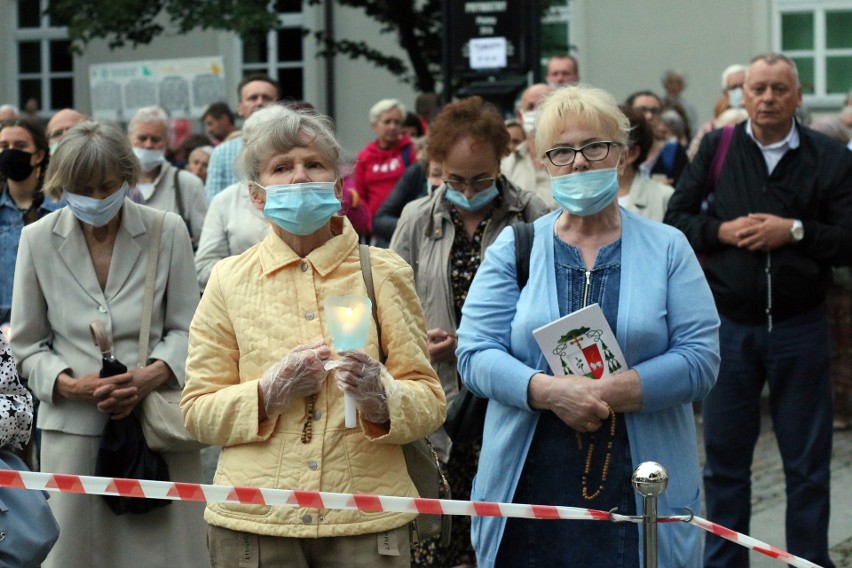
[553, 471]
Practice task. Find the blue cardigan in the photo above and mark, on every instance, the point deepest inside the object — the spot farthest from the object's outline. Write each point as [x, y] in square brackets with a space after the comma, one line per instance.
[668, 330]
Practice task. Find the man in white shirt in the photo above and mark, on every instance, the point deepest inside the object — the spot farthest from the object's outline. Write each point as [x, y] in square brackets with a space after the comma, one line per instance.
[522, 166]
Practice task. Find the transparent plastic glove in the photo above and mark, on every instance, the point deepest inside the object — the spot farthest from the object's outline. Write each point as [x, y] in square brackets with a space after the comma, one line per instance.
[359, 376]
[298, 375]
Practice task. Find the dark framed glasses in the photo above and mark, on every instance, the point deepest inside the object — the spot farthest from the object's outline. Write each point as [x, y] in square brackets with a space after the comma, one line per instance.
[476, 185]
[592, 152]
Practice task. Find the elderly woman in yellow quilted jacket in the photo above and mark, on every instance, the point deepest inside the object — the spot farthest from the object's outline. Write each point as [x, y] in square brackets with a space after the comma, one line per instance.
[259, 346]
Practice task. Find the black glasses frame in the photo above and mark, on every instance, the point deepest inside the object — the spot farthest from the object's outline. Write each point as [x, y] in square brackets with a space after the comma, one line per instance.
[582, 150]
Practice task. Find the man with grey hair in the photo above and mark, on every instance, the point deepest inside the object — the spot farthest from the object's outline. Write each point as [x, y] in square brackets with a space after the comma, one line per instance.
[522, 166]
[778, 218]
[162, 185]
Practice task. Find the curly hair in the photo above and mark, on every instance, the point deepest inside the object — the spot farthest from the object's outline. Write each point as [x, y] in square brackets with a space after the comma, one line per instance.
[468, 118]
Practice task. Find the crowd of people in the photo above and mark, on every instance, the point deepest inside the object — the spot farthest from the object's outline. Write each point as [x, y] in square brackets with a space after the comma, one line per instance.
[718, 253]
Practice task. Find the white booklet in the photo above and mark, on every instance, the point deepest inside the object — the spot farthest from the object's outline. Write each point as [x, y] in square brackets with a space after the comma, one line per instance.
[581, 343]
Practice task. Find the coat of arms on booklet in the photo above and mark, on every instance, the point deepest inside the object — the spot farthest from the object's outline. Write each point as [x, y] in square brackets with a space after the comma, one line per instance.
[581, 343]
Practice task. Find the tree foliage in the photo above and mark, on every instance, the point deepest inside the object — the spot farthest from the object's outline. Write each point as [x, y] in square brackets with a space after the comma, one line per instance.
[415, 23]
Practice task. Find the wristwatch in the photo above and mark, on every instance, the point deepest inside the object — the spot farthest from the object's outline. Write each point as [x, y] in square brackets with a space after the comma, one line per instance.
[797, 231]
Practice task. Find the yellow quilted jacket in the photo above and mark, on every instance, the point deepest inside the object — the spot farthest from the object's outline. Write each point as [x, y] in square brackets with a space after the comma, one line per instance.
[255, 309]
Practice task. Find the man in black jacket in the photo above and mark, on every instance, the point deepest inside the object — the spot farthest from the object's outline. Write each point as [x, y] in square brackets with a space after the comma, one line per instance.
[779, 216]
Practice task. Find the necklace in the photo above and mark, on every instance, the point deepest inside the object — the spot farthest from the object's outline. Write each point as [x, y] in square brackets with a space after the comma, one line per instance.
[307, 429]
[607, 460]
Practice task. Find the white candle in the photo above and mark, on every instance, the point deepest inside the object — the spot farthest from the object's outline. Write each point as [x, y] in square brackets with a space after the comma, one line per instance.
[348, 319]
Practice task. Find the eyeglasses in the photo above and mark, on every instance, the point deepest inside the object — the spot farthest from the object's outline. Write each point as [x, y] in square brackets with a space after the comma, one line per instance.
[592, 152]
[476, 185]
[645, 110]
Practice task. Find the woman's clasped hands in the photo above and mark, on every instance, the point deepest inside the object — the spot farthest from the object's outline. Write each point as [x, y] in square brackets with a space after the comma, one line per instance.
[571, 399]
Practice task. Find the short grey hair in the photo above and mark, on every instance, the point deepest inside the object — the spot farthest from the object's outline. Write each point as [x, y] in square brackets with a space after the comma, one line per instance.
[730, 70]
[206, 149]
[772, 58]
[383, 106]
[278, 129]
[89, 152]
[148, 114]
[13, 108]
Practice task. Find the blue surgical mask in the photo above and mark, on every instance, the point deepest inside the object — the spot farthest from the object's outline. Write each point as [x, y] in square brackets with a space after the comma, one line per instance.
[478, 201]
[735, 97]
[96, 212]
[586, 193]
[301, 208]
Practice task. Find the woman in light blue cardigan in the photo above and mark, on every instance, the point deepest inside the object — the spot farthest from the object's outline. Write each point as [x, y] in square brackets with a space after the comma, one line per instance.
[574, 441]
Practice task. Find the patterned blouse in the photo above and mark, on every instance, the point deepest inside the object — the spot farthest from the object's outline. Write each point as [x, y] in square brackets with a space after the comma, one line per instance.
[465, 257]
[16, 403]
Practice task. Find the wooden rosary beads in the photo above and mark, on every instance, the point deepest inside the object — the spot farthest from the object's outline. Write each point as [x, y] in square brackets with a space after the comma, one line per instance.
[607, 460]
[307, 429]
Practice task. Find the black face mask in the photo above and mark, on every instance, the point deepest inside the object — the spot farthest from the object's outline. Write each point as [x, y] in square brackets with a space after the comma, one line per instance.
[15, 164]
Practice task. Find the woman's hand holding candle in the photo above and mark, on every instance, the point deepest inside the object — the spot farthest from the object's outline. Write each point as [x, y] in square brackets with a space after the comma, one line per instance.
[359, 376]
[300, 374]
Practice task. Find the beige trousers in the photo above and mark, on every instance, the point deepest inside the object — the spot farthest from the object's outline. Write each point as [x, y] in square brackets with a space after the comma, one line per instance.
[232, 549]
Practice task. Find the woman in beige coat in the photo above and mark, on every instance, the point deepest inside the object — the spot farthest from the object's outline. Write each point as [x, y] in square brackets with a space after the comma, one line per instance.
[88, 262]
[259, 350]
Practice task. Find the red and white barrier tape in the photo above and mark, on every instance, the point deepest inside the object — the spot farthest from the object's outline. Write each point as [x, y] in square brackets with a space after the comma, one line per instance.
[174, 491]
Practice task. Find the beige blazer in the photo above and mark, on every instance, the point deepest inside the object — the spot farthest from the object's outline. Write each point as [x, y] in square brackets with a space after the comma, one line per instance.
[59, 295]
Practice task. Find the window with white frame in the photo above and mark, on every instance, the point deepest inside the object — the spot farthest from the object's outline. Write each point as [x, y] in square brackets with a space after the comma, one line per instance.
[44, 59]
[280, 52]
[556, 33]
[817, 35]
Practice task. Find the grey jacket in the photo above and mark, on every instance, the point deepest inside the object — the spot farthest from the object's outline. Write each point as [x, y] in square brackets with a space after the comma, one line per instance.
[424, 237]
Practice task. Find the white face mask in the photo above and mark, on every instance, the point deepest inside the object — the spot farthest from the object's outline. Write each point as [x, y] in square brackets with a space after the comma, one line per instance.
[149, 159]
[735, 97]
[528, 121]
[96, 212]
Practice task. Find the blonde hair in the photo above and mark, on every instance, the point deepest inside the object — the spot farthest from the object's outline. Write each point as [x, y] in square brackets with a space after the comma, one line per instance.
[585, 105]
[89, 152]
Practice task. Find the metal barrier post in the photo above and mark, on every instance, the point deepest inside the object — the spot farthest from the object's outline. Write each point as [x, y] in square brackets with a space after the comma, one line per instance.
[650, 481]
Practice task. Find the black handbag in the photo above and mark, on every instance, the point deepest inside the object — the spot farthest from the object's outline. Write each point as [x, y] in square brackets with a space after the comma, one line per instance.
[123, 451]
[466, 418]
[466, 414]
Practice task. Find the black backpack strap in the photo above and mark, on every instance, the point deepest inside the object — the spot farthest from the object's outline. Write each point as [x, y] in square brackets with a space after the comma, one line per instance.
[524, 235]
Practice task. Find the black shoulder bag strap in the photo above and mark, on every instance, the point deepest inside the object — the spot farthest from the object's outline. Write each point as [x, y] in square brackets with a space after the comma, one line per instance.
[524, 236]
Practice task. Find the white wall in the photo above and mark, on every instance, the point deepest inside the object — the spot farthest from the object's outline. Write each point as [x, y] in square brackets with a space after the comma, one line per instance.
[626, 46]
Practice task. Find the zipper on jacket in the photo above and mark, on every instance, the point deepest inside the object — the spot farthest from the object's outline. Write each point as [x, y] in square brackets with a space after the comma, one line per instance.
[768, 291]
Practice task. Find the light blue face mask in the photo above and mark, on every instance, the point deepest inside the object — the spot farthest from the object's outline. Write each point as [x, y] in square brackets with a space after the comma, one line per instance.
[96, 212]
[586, 193]
[478, 201]
[301, 208]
